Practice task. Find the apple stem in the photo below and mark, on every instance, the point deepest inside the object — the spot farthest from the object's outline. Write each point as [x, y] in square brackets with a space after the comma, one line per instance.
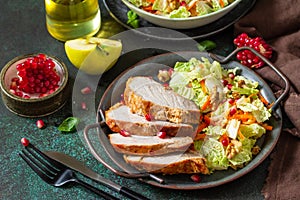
[102, 50]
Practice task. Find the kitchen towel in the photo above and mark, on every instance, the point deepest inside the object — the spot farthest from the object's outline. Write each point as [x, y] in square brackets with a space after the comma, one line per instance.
[278, 22]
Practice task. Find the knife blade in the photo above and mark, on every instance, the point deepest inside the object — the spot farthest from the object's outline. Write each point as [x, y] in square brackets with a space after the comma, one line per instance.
[79, 166]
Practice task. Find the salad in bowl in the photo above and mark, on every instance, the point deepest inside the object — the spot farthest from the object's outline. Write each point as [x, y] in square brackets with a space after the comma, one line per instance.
[181, 8]
[181, 14]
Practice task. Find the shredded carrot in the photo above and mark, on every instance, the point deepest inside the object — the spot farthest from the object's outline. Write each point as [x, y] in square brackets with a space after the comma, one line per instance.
[151, 1]
[221, 3]
[203, 86]
[263, 99]
[148, 8]
[201, 127]
[267, 127]
[270, 105]
[191, 4]
[206, 119]
[241, 135]
[206, 103]
[246, 118]
[200, 136]
[251, 95]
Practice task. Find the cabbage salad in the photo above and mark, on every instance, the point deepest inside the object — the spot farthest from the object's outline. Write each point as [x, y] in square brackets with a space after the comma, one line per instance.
[181, 8]
[235, 114]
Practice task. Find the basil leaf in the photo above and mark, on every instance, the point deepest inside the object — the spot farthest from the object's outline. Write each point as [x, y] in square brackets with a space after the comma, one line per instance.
[68, 125]
[206, 45]
[132, 19]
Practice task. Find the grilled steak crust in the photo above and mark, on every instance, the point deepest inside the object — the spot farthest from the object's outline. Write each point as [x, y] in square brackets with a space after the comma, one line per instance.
[144, 96]
[119, 117]
[149, 145]
[187, 163]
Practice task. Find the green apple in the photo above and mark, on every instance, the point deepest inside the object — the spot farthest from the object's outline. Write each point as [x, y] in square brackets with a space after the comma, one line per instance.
[93, 55]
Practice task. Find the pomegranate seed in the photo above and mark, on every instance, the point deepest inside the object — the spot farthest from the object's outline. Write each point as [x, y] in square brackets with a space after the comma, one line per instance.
[231, 75]
[25, 142]
[42, 95]
[20, 94]
[170, 71]
[183, 3]
[40, 124]
[124, 133]
[162, 134]
[86, 90]
[42, 57]
[35, 75]
[224, 82]
[13, 85]
[225, 142]
[12, 91]
[229, 86]
[247, 57]
[83, 106]
[15, 79]
[232, 110]
[231, 101]
[196, 178]
[148, 117]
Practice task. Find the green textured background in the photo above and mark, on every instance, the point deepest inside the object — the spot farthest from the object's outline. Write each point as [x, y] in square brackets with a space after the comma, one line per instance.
[23, 31]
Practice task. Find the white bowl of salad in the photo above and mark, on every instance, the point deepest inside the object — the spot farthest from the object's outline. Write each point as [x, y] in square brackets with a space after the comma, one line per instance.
[181, 14]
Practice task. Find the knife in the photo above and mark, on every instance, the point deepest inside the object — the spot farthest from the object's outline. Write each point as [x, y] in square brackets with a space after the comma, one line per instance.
[78, 166]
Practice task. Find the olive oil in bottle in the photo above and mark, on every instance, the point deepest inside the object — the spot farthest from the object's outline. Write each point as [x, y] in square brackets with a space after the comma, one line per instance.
[70, 19]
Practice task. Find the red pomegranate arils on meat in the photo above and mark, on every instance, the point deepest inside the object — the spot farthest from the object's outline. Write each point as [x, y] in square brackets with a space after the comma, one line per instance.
[124, 133]
[148, 117]
[162, 134]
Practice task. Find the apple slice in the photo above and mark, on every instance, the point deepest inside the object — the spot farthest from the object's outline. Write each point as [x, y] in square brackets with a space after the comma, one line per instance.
[93, 55]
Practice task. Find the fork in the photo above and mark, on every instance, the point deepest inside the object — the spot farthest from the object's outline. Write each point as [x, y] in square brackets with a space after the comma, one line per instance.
[54, 172]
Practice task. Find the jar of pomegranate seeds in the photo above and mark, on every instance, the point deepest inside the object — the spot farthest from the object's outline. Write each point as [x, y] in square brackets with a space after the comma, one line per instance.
[34, 85]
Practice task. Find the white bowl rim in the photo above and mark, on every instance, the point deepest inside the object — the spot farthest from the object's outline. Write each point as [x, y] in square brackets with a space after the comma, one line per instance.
[182, 19]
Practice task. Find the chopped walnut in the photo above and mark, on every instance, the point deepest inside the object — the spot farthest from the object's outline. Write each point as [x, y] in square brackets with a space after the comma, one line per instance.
[236, 95]
[233, 148]
[241, 83]
[255, 150]
[163, 75]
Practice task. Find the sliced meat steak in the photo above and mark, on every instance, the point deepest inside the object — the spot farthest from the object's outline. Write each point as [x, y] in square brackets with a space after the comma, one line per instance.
[149, 145]
[144, 96]
[119, 117]
[186, 163]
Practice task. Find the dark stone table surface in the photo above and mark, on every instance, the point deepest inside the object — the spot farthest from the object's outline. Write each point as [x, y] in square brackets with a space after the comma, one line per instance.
[23, 31]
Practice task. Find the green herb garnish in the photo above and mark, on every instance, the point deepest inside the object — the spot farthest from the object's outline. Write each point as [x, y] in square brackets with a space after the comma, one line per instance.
[68, 125]
[206, 45]
[132, 19]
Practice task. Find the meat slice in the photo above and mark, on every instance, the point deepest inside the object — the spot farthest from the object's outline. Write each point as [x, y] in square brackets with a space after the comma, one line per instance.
[186, 163]
[119, 117]
[144, 96]
[149, 145]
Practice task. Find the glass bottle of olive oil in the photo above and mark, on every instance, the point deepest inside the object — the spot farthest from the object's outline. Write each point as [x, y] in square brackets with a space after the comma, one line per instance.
[70, 19]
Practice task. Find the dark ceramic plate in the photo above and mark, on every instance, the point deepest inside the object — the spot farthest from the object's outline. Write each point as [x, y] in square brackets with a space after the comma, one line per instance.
[118, 11]
[150, 67]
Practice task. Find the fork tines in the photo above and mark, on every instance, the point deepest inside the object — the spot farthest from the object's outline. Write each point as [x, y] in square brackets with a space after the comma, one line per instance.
[43, 165]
